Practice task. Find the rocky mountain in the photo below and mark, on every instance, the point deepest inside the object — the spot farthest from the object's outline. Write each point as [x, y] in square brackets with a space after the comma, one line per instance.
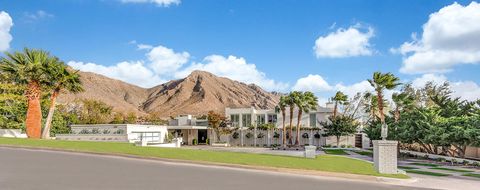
[196, 94]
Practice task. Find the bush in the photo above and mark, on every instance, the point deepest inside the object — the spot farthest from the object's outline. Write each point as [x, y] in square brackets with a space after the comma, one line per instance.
[207, 141]
[95, 131]
[305, 135]
[194, 142]
[106, 131]
[260, 135]
[235, 135]
[119, 131]
[349, 146]
[84, 131]
[465, 162]
[249, 135]
[276, 135]
[343, 146]
[476, 164]
[317, 135]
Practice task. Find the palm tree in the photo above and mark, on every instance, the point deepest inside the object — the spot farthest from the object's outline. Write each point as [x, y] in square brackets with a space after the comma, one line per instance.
[339, 98]
[60, 78]
[290, 101]
[380, 82]
[28, 68]
[305, 102]
[282, 104]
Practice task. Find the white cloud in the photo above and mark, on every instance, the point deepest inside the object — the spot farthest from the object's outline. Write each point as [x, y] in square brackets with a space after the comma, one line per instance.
[450, 37]
[160, 3]
[312, 83]
[131, 72]
[164, 64]
[345, 43]
[465, 90]
[5, 24]
[38, 15]
[164, 60]
[235, 68]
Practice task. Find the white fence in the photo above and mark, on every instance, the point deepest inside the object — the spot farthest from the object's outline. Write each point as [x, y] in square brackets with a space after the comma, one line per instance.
[262, 138]
[93, 137]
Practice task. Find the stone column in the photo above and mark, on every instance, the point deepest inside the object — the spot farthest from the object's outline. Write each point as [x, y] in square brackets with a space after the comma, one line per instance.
[385, 156]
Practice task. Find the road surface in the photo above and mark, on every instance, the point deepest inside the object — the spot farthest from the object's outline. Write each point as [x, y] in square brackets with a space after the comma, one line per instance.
[41, 169]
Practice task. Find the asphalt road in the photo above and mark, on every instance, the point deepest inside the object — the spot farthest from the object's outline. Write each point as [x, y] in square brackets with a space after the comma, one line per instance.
[38, 169]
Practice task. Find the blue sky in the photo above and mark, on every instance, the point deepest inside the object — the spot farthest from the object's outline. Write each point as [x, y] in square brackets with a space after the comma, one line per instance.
[271, 42]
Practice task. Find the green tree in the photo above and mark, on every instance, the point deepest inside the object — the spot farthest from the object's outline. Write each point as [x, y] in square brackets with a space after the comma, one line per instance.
[305, 102]
[29, 68]
[60, 79]
[282, 104]
[131, 118]
[338, 126]
[339, 98]
[290, 102]
[218, 123]
[94, 112]
[12, 105]
[381, 82]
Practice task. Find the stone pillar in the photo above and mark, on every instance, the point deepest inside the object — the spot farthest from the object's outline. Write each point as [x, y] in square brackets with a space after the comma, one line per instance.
[310, 151]
[385, 156]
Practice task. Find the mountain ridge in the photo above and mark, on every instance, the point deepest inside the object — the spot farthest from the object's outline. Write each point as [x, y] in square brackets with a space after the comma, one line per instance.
[196, 94]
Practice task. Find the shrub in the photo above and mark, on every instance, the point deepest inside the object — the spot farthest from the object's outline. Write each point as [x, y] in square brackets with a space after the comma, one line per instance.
[476, 164]
[276, 135]
[305, 135]
[207, 141]
[194, 142]
[317, 135]
[260, 135]
[84, 131]
[465, 162]
[119, 131]
[106, 131]
[349, 146]
[343, 146]
[235, 135]
[249, 135]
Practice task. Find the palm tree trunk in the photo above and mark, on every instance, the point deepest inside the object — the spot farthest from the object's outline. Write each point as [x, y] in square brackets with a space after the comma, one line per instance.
[33, 121]
[291, 123]
[297, 142]
[51, 110]
[380, 106]
[284, 134]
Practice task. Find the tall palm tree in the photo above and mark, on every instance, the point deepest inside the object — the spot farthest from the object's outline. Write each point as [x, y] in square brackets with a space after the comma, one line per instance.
[282, 104]
[339, 98]
[27, 68]
[60, 79]
[290, 101]
[305, 102]
[380, 82]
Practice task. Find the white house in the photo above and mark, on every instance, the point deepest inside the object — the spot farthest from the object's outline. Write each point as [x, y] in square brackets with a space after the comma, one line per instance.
[244, 118]
[116, 132]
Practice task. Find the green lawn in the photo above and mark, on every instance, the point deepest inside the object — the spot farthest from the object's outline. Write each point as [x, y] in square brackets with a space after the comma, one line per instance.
[472, 175]
[365, 153]
[450, 169]
[425, 164]
[335, 151]
[407, 167]
[427, 173]
[329, 163]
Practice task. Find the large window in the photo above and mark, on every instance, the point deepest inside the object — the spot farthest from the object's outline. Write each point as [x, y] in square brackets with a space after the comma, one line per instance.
[235, 119]
[246, 120]
[272, 118]
[260, 119]
[313, 120]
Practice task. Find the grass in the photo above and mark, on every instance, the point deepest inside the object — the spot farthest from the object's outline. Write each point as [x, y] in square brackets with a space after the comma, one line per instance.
[407, 167]
[427, 173]
[450, 169]
[365, 153]
[329, 163]
[425, 164]
[472, 175]
[335, 152]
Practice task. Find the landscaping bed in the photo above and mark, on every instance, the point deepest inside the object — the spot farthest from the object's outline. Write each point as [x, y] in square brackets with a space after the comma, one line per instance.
[328, 163]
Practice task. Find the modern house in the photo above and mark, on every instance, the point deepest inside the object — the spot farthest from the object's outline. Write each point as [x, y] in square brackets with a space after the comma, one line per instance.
[115, 132]
[247, 118]
[190, 129]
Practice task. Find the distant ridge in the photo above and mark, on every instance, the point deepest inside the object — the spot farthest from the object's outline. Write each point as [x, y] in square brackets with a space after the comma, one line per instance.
[196, 94]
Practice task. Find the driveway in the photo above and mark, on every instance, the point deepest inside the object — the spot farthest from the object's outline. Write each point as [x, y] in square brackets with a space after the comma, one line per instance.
[40, 169]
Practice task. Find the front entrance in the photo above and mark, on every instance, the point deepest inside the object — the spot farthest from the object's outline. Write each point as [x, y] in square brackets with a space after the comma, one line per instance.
[358, 140]
[202, 136]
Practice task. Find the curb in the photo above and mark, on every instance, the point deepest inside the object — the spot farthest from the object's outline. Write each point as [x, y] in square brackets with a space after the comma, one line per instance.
[310, 173]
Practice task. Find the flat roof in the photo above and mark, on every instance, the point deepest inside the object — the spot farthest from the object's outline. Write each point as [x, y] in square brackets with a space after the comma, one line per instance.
[187, 127]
